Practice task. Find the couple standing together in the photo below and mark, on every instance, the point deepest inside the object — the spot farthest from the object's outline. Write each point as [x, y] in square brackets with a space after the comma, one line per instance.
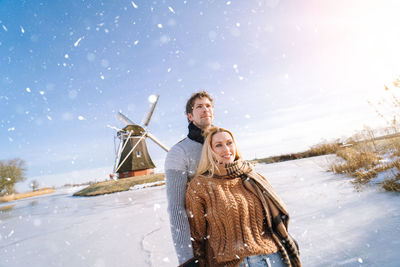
[222, 212]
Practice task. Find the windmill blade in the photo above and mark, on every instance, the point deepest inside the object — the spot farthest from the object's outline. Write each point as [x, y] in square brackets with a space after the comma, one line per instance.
[113, 127]
[120, 151]
[155, 140]
[118, 154]
[147, 121]
[125, 119]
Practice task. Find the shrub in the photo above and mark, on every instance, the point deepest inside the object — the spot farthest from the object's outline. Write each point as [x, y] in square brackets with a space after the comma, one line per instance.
[355, 160]
[11, 172]
[392, 184]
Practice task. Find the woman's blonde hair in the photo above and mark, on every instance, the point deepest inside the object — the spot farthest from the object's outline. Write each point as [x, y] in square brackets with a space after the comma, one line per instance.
[207, 164]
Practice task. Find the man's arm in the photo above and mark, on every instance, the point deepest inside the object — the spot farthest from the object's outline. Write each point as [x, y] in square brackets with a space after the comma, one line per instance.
[176, 173]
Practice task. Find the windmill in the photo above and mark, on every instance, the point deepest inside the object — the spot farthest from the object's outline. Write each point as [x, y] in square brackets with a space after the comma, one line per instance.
[132, 157]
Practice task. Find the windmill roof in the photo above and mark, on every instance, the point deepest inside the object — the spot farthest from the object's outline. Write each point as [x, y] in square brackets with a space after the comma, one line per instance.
[136, 129]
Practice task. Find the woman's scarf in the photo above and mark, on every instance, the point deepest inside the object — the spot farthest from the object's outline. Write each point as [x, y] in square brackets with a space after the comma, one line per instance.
[276, 214]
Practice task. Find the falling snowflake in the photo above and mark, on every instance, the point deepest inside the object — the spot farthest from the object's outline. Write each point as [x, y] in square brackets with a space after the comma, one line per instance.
[49, 118]
[136, 42]
[360, 260]
[28, 89]
[11, 129]
[134, 5]
[81, 118]
[5, 28]
[102, 77]
[41, 92]
[159, 25]
[11, 233]
[164, 39]
[91, 56]
[37, 222]
[22, 29]
[152, 98]
[228, 3]
[171, 9]
[78, 41]
[66, 56]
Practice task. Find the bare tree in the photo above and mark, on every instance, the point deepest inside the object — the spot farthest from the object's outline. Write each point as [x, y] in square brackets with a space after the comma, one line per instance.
[34, 185]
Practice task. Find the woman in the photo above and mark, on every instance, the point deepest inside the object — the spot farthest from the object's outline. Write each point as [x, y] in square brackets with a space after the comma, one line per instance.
[236, 218]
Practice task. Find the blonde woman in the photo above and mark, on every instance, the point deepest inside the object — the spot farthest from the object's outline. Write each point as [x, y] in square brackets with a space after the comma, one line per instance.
[236, 218]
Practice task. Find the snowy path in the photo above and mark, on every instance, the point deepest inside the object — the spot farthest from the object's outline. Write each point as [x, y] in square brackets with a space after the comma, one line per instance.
[334, 224]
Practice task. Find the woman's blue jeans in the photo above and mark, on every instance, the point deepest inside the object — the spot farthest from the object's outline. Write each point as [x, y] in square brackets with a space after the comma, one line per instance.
[270, 260]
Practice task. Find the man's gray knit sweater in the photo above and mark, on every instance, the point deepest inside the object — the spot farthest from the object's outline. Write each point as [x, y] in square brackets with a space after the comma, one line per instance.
[180, 167]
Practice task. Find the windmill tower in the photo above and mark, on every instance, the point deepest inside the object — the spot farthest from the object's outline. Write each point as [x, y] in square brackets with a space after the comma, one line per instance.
[132, 157]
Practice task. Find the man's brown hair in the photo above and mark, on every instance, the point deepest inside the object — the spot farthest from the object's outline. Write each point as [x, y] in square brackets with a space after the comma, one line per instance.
[192, 99]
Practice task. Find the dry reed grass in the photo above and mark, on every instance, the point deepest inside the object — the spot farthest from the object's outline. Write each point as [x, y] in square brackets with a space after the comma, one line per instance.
[39, 192]
[317, 150]
[6, 208]
[363, 160]
[392, 184]
[355, 160]
[324, 149]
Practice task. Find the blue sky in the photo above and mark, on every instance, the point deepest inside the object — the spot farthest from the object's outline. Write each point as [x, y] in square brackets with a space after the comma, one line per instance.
[284, 74]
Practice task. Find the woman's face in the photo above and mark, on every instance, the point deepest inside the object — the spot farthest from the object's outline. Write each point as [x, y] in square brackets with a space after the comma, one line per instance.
[224, 147]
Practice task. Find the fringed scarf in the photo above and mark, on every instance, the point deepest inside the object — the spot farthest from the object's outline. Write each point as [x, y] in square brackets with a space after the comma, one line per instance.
[276, 214]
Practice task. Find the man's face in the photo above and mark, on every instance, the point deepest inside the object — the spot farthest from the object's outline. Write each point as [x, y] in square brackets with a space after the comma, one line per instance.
[203, 113]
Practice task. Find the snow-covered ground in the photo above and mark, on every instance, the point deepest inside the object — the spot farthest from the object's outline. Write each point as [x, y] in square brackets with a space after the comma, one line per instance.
[334, 224]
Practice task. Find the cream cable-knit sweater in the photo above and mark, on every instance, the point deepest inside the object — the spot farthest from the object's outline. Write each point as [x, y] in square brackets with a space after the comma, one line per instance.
[226, 222]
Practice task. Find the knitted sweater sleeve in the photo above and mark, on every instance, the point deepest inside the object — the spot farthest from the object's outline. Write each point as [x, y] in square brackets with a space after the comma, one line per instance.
[176, 173]
[195, 208]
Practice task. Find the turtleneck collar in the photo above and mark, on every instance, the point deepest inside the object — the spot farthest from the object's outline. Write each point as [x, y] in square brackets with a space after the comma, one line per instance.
[238, 168]
[195, 133]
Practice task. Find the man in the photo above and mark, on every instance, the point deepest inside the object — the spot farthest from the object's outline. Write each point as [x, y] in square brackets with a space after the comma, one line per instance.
[180, 167]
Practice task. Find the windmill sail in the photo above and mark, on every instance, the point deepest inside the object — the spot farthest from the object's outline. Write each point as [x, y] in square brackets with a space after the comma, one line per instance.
[147, 121]
[155, 140]
[125, 119]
